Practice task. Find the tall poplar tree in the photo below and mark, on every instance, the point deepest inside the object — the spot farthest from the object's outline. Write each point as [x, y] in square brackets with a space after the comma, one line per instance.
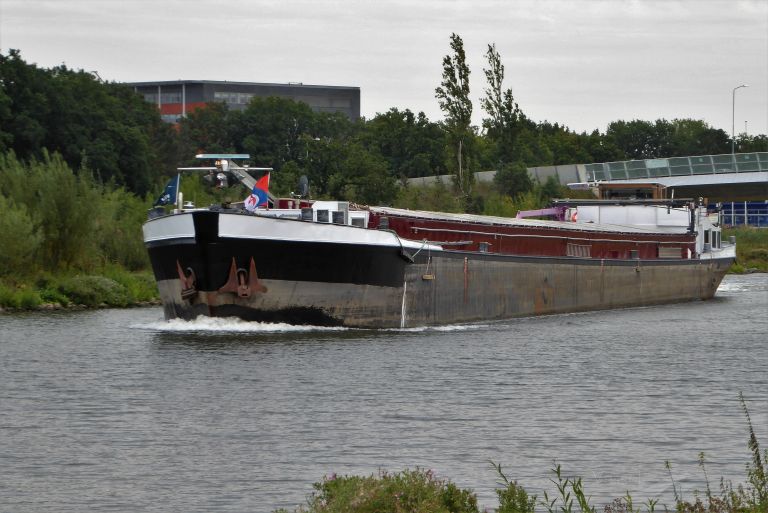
[503, 125]
[453, 97]
[504, 115]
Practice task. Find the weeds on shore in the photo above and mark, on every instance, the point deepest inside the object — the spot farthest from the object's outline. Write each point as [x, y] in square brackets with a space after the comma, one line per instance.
[419, 491]
[113, 286]
[751, 249]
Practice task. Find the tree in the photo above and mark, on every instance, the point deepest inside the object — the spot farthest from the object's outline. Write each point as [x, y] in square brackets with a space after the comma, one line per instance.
[505, 117]
[271, 130]
[513, 179]
[695, 137]
[453, 97]
[640, 139]
[207, 130]
[362, 177]
[19, 238]
[104, 125]
[412, 145]
[751, 143]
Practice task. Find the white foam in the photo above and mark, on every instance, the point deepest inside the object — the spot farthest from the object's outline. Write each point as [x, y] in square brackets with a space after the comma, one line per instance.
[227, 325]
[449, 327]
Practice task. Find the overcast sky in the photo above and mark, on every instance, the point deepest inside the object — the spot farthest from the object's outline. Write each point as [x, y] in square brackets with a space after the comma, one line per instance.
[582, 63]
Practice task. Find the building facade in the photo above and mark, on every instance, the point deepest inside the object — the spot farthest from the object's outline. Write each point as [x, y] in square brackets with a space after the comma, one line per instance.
[175, 99]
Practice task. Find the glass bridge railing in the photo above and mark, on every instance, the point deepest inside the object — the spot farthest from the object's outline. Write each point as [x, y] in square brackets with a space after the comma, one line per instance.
[678, 166]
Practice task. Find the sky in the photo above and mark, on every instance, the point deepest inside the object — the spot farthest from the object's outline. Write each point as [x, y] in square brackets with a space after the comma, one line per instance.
[580, 63]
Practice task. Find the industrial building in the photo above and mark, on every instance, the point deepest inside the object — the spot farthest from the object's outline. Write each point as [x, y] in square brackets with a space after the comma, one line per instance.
[175, 99]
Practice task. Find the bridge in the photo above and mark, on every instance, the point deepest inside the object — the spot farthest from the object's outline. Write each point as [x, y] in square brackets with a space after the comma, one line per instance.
[739, 181]
[720, 178]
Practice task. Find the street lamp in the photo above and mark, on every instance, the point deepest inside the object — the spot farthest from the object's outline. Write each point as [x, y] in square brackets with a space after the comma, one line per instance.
[733, 119]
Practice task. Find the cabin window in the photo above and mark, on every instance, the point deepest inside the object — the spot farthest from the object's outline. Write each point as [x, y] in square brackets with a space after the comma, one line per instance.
[667, 252]
[306, 214]
[484, 247]
[706, 236]
[338, 217]
[322, 216]
[357, 221]
[633, 254]
[578, 250]
[384, 223]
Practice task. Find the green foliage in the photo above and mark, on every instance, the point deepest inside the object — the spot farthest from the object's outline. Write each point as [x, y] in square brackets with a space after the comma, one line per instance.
[751, 143]
[505, 120]
[94, 291]
[53, 295]
[139, 286]
[105, 127]
[206, 130]
[436, 197]
[681, 137]
[362, 177]
[453, 97]
[19, 239]
[751, 248]
[271, 129]
[513, 179]
[500, 205]
[757, 474]
[113, 286]
[20, 296]
[568, 489]
[512, 497]
[59, 204]
[412, 145]
[117, 228]
[414, 491]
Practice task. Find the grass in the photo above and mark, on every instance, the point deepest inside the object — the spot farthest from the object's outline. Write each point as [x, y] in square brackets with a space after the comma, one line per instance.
[751, 249]
[111, 286]
[418, 491]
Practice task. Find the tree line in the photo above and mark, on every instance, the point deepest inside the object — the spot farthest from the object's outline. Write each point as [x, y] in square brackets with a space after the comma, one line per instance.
[81, 161]
[111, 131]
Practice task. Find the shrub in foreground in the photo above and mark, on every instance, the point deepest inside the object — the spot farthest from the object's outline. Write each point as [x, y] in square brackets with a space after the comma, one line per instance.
[414, 491]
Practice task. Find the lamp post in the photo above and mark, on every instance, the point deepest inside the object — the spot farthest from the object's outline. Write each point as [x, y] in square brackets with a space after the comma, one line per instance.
[733, 119]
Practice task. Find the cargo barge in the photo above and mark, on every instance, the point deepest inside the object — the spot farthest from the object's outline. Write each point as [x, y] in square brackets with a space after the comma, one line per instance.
[332, 263]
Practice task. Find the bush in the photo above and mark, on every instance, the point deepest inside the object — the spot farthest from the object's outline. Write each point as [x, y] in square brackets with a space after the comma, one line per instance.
[751, 248]
[6, 297]
[416, 491]
[19, 238]
[52, 296]
[19, 297]
[140, 286]
[94, 291]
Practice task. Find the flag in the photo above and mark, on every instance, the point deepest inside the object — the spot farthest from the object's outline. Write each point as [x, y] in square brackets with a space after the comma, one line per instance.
[259, 195]
[171, 193]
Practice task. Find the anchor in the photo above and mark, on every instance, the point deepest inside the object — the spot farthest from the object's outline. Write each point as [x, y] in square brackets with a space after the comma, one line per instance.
[242, 282]
[187, 278]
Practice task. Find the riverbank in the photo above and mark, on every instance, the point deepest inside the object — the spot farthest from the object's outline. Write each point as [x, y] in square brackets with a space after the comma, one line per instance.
[751, 249]
[108, 287]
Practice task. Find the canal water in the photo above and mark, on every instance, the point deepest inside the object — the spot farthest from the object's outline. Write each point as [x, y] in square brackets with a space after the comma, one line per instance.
[118, 410]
